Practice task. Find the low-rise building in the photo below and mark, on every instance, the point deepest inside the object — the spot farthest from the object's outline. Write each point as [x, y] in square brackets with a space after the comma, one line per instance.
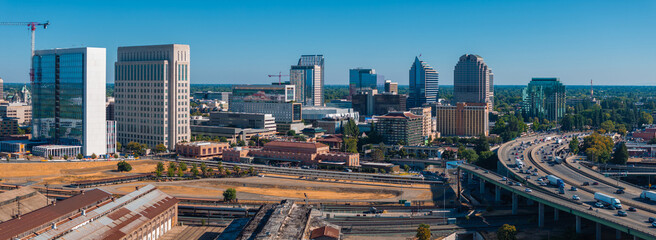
[230, 133]
[242, 120]
[56, 150]
[21, 111]
[315, 113]
[146, 213]
[301, 153]
[647, 134]
[202, 150]
[8, 127]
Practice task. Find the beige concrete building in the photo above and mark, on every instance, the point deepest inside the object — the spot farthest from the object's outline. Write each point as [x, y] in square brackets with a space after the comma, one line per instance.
[464, 119]
[22, 112]
[152, 94]
[426, 122]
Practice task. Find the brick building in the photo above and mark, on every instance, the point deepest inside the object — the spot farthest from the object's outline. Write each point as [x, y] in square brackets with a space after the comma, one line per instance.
[396, 127]
[303, 153]
[202, 150]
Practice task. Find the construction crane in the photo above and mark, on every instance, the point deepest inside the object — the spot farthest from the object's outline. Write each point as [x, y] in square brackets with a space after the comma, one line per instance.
[32, 27]
[279, 75]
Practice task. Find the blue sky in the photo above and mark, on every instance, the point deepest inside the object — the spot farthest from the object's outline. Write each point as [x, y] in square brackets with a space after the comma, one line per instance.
[612, 42]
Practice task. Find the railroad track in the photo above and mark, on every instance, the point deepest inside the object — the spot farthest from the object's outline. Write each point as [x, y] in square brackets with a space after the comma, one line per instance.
[321, 174]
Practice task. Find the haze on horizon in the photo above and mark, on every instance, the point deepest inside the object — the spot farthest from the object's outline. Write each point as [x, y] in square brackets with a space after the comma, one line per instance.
[241, 42]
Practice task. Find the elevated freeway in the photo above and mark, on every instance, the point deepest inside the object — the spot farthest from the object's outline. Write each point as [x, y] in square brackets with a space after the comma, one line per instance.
[536, 152]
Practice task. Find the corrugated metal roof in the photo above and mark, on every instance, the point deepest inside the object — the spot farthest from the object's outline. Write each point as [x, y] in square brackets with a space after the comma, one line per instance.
[118, 218]
[46, 215]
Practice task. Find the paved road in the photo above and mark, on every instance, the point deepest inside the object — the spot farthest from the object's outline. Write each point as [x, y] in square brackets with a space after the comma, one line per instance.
[533, 156]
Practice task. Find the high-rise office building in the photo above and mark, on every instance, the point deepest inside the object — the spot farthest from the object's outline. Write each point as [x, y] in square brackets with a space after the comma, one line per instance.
[308, 77]
[473, 81]
[427, 120]
[544, 98]
[362, 79]
[391, 87]
[464, 119]
[423, 84]
[2, 90]
[69, 98]
[152, 94]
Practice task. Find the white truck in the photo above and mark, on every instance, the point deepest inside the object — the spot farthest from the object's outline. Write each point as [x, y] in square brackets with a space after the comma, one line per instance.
[556, 181]
[608, 200]
[649, 195]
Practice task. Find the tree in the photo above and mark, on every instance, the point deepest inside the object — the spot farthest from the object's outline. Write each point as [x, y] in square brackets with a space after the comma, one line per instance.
[597, 148]
[123, 166]
[118, 146]
[621, 154]
[65, 157]
[182, 166]
[468, 154]
[351, 144]
[50, 157]
[160, 148]
[223, 139]
[507, 232]
[406, 167]
[423, 232]
[652, 141]
[482, 144]
[171, 171]
[203, 169]
[401, 142]
[378, 155]
[80, 156]
[574, 145]
[351, 129]
[645, 118]
[291, 133]
[194, 170]
[449, 155]
[159, 170]
[229, 195]
[608, 126]
[94, 156]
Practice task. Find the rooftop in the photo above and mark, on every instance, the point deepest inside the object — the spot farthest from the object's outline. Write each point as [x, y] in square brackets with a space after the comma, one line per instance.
[44, 216]
[29, 198]
[326, 231]
[303, 145]
[400, 115]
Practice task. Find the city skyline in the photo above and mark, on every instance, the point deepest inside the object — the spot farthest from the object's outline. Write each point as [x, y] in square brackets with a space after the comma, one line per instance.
[532, 40]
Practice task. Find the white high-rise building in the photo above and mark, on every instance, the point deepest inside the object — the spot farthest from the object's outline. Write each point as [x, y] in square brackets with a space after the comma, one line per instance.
[152, 94]
[69, 98]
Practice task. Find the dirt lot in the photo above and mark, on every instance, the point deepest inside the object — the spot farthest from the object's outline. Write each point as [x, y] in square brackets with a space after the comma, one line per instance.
[255, 188]
[61, 173]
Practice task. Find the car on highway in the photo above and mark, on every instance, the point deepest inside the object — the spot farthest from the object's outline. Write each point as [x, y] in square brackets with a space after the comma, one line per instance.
[561, 191]
[573, 188]
[504, 179]
[653, 224]
[595, 183]
[632, 209]
[535, 173]
[585, 184]
[619, 191]
[611, 207]
[621, 213]
[651, 219]
[575, 197]
[518, 184]
[542, 184]
[599, 205]
[528, 190]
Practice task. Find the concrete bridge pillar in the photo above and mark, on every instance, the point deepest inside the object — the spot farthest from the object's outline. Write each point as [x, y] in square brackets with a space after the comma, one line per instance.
[482, 183]
[470, 178]
[514, 203]
[598, 231]
[556, 214]
[497, 194]
[618, 234]
[578, 224]
[540, 215]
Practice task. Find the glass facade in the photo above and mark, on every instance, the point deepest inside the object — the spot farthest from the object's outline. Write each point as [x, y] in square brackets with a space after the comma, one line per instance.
[58, 98]
[308, 78]
[262, 93]
[423, 84]
[544, 98]
[472, 81]
[362, 79]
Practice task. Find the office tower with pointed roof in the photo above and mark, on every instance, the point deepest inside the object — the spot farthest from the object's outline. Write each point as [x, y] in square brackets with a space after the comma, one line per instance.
[423, 84]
